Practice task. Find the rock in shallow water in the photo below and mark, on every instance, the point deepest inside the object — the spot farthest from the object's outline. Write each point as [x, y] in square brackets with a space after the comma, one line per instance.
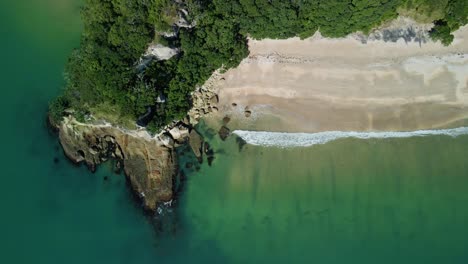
[224, 132]
[196, 143]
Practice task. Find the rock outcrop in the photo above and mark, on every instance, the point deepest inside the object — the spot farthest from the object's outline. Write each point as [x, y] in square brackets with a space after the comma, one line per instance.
[179, 133]
[148, 163]
[224, 132]
[161, 52]
[205, 98]
[196, 143]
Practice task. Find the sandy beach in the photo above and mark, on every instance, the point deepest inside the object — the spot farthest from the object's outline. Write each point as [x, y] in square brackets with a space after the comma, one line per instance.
[321, 84]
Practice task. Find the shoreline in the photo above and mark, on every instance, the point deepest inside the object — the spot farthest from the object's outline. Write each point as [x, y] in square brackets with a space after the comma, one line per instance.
[320, 84]
[287, 140]
[287, 85]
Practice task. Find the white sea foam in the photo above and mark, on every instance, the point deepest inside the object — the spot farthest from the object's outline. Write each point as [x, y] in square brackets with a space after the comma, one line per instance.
[280, 139]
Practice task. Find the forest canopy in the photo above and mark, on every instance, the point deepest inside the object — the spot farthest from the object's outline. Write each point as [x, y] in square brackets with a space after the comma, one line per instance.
[102, 75]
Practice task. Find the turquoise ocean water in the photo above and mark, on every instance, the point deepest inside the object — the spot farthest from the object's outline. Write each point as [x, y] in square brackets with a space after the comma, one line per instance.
[53, 211]
[347, 201]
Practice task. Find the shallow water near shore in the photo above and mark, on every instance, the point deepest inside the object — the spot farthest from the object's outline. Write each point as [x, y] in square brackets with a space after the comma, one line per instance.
[347, 201]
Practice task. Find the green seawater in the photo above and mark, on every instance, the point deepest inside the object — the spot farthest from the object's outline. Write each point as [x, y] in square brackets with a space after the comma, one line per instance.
[347, 201]
[51, 210]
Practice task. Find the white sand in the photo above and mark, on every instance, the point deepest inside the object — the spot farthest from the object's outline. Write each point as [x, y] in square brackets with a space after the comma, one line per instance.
[321, 84]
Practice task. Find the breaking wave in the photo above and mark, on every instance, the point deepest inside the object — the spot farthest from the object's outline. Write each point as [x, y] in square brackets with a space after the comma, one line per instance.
[281, 139]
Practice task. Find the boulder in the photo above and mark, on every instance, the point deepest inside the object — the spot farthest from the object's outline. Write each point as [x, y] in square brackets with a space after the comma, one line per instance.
[179, 132]
[247, 111]
[210, 159]
[166, 140]
[196, 143]
[224, 132]
[214, 99]
[184, 132]
[197, 94]
[175, 133]
[161, 52]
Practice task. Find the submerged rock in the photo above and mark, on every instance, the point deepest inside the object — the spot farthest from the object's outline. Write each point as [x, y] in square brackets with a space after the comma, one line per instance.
[209, 153]
[210, 160]
[224, 132]
[196, 143]
[179, 133]
[240, 142]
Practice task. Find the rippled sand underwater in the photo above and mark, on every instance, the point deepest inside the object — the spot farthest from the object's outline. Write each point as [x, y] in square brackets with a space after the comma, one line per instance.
[352, 200]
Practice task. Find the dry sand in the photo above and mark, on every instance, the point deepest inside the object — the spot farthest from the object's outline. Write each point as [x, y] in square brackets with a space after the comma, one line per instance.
[321, 84]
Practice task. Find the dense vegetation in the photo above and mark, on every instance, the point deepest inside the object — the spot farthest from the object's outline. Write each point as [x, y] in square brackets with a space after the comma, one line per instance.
[102, 76]
[448, 15]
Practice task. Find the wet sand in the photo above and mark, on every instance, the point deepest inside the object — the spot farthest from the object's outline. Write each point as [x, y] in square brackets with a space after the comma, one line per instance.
[321, 84]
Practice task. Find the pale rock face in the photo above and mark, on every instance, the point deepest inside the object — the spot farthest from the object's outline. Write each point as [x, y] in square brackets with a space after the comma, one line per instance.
[179, 133]
[166, 140]
[160, 52]
[175, 133]
[184, 132]
[205, 98]
[168, 34]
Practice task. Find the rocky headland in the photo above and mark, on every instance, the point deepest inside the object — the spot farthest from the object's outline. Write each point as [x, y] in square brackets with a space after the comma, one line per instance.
[149, 164]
